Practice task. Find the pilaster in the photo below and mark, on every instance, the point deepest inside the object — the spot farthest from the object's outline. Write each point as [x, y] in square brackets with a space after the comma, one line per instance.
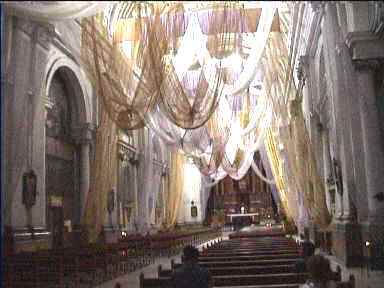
[367, 55]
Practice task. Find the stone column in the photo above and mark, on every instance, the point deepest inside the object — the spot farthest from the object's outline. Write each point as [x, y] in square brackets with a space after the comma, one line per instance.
[83, 136]
[84, 174]
[135, 163]
[336, 51]
[328, 174]
[164, 177]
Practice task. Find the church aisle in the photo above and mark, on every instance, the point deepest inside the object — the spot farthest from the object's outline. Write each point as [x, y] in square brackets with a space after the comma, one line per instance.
[131, 279]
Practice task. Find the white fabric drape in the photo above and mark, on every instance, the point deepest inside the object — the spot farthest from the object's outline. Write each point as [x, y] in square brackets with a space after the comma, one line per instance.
[258, 173]
[55, 10]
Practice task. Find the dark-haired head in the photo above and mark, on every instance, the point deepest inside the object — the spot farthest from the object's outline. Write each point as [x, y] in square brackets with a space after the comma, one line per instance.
[319, 268]
[190, 254]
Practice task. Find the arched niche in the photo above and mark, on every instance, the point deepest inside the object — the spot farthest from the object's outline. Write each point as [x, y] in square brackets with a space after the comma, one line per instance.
[66, 130]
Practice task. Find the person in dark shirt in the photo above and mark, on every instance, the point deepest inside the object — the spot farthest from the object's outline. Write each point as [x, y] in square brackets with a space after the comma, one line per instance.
[191, 274]
[307, 250]
[319, 271]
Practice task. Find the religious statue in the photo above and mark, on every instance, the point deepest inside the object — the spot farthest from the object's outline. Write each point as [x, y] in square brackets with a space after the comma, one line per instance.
[111, 201]
[29, 189]
[338, 176]
[193, 210]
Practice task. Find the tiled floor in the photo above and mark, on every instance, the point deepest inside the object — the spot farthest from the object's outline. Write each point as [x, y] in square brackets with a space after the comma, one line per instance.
[131, 280]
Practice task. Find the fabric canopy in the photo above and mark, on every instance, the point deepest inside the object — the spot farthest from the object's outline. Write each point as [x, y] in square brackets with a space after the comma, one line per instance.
[55, 10]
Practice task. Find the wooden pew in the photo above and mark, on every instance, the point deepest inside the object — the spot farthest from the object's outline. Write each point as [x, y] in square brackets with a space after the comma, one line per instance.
[233, 280]
[247, 253]
[243, 263]
[248, 258]
[154, 282]
[87, 265]
[239, 270]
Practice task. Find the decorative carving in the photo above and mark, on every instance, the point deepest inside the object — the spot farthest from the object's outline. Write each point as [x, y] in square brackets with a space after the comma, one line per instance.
[134, 160]
[25, 25]
[164, 170]
[44, 36]
[294, 107]
[302, 68]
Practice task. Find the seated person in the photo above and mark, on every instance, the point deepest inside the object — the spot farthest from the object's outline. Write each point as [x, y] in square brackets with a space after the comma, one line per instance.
[191, 274]
[307, 250]
[319, 273]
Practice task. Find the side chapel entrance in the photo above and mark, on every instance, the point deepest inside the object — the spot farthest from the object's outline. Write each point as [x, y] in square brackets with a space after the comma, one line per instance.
[61, 180]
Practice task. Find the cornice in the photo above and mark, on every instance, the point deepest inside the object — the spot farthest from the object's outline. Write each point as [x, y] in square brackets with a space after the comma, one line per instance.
[366, 49]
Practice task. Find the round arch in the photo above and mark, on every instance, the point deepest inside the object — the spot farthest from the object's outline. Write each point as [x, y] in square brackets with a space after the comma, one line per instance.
[77, 87]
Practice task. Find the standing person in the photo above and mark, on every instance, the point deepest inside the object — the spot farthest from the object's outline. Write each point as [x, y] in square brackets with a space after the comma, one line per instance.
[307, 247]
[307, 250]
[191, 274]
[319, 273]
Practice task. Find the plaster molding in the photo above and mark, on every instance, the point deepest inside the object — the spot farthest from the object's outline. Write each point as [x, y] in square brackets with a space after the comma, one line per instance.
[366, 49]
[25, 25]
[39, 32]
[45, 35]
[371, 64]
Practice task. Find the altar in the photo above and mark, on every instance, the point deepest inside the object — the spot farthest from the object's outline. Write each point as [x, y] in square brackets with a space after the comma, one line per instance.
[253, 216]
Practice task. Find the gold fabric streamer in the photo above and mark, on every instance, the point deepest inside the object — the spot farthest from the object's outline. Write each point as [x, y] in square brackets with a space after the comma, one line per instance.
[175, 192]
[103, 176]
[300, 174]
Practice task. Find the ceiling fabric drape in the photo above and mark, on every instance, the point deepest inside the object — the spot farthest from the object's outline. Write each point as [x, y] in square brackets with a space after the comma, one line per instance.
[174, 98]
[51, 11]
